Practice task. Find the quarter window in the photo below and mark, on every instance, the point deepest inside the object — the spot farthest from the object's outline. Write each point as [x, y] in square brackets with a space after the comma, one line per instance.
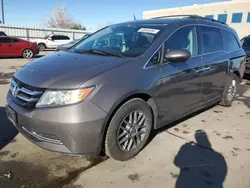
[237, 17]
[230, 42]
[222, 17]
[211, 39]
[184, 38]
[15, 40]
[65, 38]
[156, 59]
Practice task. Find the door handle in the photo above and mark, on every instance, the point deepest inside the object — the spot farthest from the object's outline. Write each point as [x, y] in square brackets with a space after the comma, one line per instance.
[203, 69]
[9, 44]
[206, 69]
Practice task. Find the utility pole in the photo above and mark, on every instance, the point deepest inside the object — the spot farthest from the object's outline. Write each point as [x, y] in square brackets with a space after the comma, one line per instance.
[2, 12]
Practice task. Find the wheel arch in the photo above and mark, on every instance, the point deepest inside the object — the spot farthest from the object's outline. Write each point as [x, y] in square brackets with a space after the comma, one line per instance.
[142, 95]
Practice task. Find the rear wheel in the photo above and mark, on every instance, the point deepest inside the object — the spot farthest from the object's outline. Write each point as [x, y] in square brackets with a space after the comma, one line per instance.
[230, 91]
[129, 130]
[41, 47]
[28, 53]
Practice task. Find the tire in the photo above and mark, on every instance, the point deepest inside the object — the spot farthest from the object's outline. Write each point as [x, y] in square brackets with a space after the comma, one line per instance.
[41, 47]
[28, 53]
[121, 124]
[230, 90]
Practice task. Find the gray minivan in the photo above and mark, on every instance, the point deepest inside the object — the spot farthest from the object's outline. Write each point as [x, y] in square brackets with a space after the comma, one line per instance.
[112, 89]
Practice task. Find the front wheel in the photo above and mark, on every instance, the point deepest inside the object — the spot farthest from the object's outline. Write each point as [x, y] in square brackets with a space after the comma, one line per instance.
[230, 91]
[129, 130]
[28, 53]
[41, 47]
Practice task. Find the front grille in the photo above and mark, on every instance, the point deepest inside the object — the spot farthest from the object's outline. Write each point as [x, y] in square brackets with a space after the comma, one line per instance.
[24, 95]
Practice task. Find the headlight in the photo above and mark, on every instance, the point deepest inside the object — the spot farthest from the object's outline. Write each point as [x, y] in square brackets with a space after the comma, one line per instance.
[59, 98]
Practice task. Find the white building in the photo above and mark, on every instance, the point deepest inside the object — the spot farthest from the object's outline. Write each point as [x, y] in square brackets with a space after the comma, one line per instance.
[235, 13]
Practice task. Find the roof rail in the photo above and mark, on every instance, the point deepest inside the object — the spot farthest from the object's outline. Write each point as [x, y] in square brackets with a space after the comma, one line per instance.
[190, 16]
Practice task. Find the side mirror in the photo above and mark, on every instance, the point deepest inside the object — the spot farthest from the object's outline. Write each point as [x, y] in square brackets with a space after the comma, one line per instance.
[50, 39]
[181, 55]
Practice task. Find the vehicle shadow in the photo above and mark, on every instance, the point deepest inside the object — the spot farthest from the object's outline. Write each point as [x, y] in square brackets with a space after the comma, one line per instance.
[35, 57]
[7, 129]
[200, 165]
[242, 97]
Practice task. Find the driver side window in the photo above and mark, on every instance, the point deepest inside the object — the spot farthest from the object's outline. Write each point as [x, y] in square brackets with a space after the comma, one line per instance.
[184, 38]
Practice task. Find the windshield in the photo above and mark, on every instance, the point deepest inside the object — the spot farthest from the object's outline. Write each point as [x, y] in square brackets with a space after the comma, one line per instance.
[245, 43]
[127, 40]
[46, 37]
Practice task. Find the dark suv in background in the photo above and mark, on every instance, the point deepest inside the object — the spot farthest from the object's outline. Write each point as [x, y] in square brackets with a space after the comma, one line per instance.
[113, 88]
[245, 42]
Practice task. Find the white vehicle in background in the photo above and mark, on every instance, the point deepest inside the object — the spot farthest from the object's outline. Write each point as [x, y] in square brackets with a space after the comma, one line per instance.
[52, 41]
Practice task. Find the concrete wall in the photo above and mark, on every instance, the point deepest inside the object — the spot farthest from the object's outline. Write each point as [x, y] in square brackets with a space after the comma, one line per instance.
[29, 33]
[229, 7]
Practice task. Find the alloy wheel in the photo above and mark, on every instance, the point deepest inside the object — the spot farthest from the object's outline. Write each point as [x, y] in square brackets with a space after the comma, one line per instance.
[41, 47]
[28, 53]
[132, 130]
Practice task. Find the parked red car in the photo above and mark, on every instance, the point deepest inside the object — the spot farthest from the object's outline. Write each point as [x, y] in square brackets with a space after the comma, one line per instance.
[10, 46]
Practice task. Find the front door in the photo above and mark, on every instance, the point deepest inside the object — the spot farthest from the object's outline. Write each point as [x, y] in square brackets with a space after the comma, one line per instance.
[180, 91]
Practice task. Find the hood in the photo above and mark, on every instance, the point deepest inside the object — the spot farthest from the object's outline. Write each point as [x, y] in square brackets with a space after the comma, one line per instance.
[65, 70]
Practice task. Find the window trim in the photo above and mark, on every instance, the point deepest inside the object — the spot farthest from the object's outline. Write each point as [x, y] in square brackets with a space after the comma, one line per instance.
[148, 61]
[236, 14]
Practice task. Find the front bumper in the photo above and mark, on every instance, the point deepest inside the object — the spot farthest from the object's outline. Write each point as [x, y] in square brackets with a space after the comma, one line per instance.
[75, 129]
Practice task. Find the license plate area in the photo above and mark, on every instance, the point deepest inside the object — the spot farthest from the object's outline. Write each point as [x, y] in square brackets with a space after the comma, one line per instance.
[11, 114]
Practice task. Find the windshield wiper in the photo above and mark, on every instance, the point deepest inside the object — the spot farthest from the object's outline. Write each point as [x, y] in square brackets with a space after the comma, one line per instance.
[100, 52]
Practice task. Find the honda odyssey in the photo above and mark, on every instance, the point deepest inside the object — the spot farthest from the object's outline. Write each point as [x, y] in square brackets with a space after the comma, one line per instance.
[112, 89]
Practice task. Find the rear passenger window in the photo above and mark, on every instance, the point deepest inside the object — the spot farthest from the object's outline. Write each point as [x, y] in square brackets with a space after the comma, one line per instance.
[211, 39]
[184, 38]
[230, 42]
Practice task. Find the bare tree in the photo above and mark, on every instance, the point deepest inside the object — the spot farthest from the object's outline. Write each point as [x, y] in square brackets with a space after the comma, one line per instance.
[78, 27]
[60, 18]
